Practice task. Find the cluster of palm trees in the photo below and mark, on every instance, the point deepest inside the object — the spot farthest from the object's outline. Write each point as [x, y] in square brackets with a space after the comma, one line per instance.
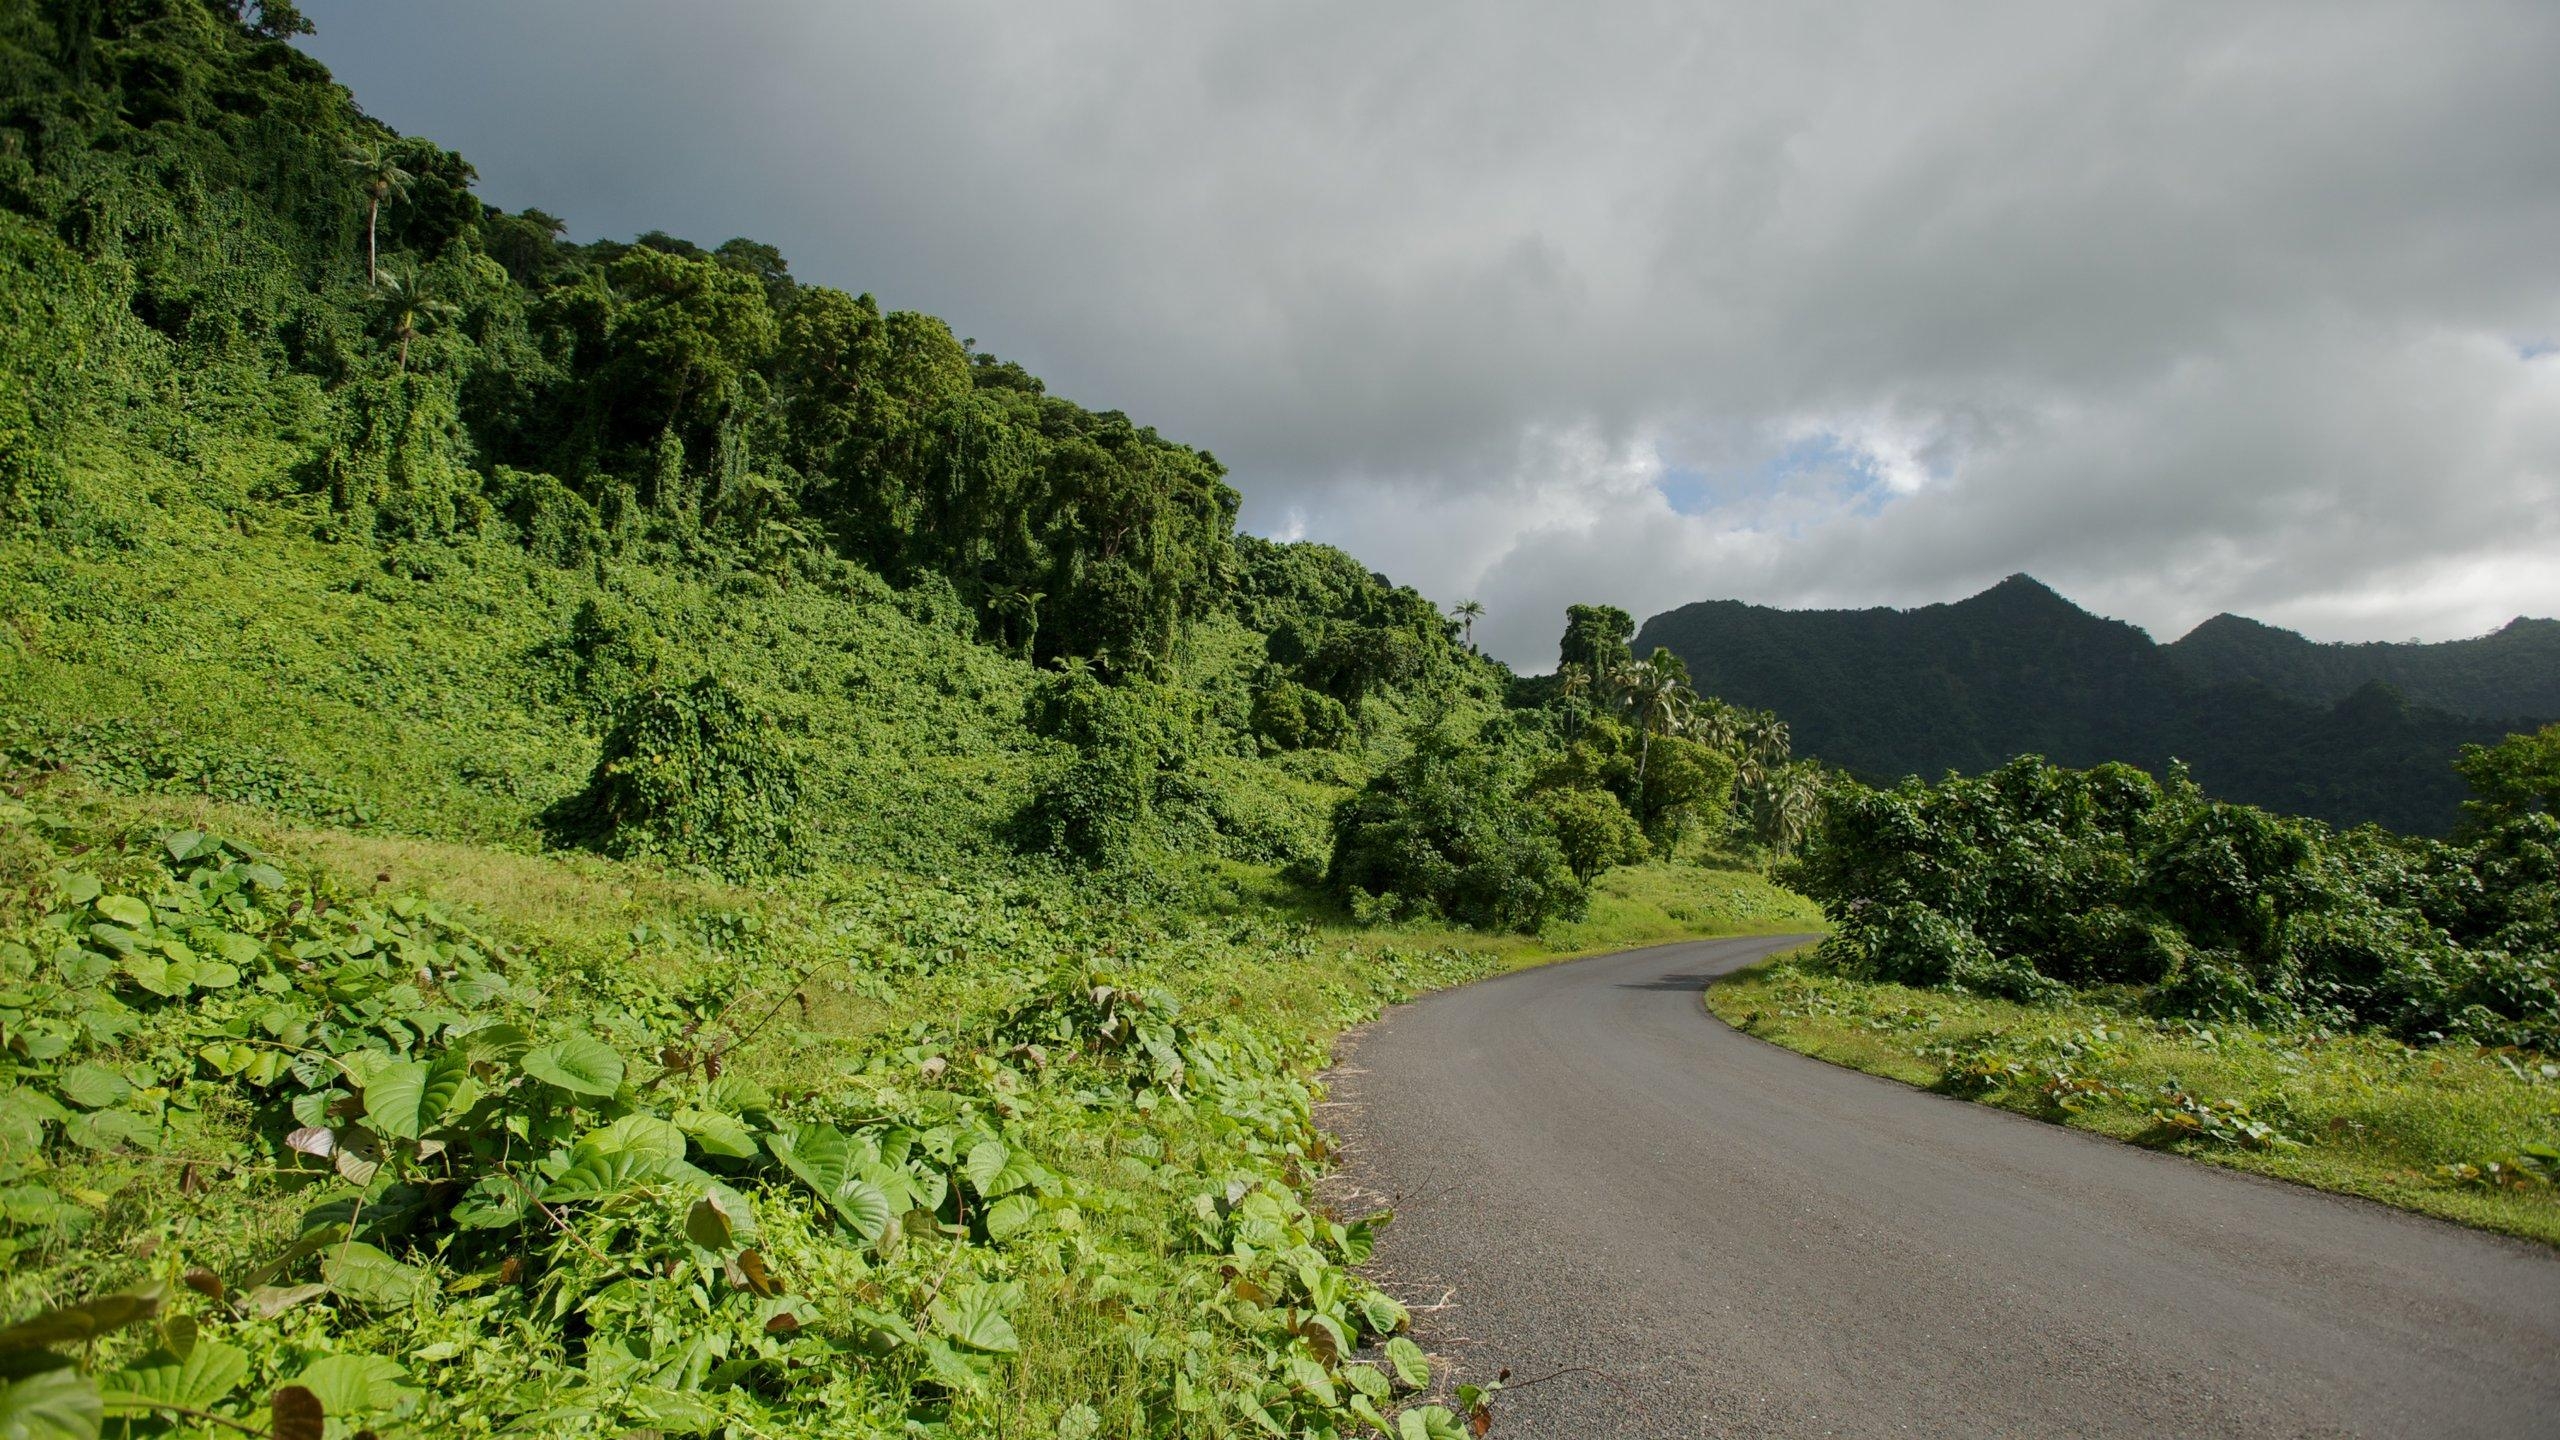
[1777, 796]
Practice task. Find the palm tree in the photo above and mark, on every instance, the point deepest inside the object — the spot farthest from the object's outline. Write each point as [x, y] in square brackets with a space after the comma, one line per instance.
[1468, 612]
[411, 308]
[378, 170]
[1658, 689]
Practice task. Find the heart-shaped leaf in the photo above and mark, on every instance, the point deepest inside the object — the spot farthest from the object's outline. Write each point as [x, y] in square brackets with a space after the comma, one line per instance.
[978, 1315]
[209, 1371]
[579, 1064]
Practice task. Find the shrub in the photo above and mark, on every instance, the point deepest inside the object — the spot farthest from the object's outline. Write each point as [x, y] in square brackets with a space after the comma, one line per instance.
[1289, 716]
[1444, 831]
[1594, 830]
[692, 775]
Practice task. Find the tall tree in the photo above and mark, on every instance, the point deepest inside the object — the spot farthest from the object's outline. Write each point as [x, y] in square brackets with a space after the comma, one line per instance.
[1658, 690]
[378, 169]
[1468, 613]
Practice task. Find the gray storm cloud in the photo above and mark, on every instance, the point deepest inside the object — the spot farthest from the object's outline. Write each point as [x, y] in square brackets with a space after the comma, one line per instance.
[2181, 308]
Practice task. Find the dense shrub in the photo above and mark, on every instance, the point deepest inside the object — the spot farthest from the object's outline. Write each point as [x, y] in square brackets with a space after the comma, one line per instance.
[1446, 832]
[2034, 876]
[692, 775]
[1289, 716]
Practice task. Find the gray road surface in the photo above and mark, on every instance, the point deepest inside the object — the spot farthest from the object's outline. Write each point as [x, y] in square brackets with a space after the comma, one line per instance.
[1732, 1239]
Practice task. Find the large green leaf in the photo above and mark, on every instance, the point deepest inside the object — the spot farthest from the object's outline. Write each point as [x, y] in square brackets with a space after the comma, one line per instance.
[644, 1135]
[579, 1064]
[1412, 1367]
[125, 910]
[209, 1371]
[986, 1161]
[92, 1086]
[1428, 1422]
[56, 1405]
[407, 1098]
[722, 1135]
[603, 1174]
[493, 1202]
[351, 1385]
[364, 1273]
[979, 1315]
[828, 1161]
[1009, 1215]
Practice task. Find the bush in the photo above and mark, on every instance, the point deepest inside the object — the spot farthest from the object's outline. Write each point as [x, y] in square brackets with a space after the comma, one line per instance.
[1915, 945]
[1289, 716]
[1594, 830]
[692, 775]
[1445, 832]
[2012, 882]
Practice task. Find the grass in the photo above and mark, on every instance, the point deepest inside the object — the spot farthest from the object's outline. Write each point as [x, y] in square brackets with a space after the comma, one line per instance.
[928, 966]
[2442, 1131]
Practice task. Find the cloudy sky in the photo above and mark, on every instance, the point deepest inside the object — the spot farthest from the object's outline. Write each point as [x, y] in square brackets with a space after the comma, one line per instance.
[2181, 308]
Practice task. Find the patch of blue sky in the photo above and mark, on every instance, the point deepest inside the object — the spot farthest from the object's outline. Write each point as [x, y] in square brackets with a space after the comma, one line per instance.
[1819, 463]
[2536, 349]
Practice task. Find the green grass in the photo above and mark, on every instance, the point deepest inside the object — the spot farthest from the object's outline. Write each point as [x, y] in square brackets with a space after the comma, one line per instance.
[910, 968]
[2358, 1114]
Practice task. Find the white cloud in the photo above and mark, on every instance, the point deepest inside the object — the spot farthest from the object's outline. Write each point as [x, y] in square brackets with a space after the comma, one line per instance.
[2180, 308]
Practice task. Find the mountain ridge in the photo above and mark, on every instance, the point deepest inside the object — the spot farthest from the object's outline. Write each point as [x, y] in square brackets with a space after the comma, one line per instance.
[2347, 734]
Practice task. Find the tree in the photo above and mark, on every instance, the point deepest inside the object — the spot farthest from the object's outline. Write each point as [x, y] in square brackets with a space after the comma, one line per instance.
[410, 307]
[1595, 831]
[378, 169]
[2515, 777]
[1659, 692]
[1468, 613]
[1596, 636]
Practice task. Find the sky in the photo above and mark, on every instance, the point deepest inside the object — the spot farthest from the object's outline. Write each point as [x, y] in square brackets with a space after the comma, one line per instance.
[2181, 308]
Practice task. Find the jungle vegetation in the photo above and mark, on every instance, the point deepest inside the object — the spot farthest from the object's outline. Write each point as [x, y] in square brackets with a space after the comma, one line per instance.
[601, 839]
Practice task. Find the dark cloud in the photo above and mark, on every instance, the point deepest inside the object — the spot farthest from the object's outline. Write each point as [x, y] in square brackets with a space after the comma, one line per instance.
[2182, 308]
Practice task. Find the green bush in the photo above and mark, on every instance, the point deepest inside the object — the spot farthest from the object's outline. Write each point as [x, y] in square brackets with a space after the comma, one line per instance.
[2035, 876]
[1446, 832]
[1289, 716]
[695, 776]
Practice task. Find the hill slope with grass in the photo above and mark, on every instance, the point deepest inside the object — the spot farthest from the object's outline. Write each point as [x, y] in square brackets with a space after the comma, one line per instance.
[599, 839]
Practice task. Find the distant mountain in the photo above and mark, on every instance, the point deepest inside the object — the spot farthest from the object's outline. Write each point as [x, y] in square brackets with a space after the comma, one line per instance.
[2018, 669]
[2515, 671]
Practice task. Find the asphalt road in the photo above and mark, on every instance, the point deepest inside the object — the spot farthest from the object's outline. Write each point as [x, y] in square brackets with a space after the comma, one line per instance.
[1727, 1238]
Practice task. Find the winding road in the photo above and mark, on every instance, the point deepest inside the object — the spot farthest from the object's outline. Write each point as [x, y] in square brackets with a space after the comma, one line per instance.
[1709, 1235]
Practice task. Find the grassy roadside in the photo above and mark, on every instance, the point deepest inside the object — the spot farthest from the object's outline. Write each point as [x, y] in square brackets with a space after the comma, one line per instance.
[2456, 1131]
[1159, 1263]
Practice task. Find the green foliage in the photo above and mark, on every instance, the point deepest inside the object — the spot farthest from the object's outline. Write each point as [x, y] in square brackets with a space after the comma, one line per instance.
[692, 775]
[1289, 716]
[1448, 832]
[2033, 878]
[1594, 830]
[445, 1183]
[2517, 777]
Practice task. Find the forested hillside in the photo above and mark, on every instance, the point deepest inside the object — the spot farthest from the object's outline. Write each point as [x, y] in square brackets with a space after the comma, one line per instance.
[2512, 672]
[599, 839]
[2019, 670]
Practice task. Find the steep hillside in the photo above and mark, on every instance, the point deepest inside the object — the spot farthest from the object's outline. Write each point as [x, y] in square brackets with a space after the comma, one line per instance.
[2512, 672]
[596, 840]
[2020, 670]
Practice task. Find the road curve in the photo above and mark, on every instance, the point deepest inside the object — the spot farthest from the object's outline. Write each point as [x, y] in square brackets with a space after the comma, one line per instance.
[1733, 1239]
